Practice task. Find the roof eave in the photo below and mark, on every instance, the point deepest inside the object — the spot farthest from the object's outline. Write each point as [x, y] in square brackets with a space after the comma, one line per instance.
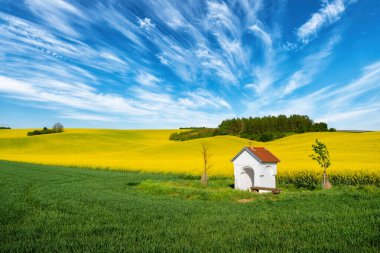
[249, 152]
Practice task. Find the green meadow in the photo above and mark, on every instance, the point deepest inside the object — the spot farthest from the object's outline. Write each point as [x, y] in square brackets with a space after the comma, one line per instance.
[55, 208]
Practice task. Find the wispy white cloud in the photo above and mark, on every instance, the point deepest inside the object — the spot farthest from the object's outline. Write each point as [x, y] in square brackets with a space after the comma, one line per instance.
[288, 46]
[76, 96]
[356, 113]
[147, 79]
[110, 56]
[180, 52]
[329, 13]
[47, 86]
[20, 37]
[151, 100]
[146, 23]
[87, 117]
[187, 108]
[221, 15]
[119, 22]
[162, 59]
[214, 63]
[172, 62]
[266, 74]
[82, 102]
[340, 106]
[231, 58]
[264, 36]
[180, 60]
[368, 82]
[169, 13]
[57, 13]
[202, 98]
[311, 65]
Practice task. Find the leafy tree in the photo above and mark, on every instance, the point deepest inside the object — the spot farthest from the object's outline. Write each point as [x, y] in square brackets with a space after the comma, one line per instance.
[266, 137]
[45, 130]
[322, 156]
[231, 126]
[58, 127]
[320, 127]
[35, 132]
[282, 123]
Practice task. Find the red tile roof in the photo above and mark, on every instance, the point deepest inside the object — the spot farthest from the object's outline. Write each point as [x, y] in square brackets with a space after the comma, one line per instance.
[264, 155]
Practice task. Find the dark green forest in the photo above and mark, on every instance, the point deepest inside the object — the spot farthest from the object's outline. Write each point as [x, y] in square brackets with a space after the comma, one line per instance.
[265, 128]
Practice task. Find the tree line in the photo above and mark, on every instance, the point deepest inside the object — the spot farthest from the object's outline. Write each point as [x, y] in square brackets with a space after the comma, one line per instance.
[193, 133]
[57, 128]
[270, 127]
[265, 128]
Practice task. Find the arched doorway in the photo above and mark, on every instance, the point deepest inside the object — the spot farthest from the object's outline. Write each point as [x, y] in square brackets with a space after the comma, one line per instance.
[247, 178]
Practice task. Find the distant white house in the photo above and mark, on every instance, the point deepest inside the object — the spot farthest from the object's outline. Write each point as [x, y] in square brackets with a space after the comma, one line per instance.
[255, 167]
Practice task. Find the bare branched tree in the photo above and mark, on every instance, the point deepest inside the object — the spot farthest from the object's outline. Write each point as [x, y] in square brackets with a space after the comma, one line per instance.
[206, 155]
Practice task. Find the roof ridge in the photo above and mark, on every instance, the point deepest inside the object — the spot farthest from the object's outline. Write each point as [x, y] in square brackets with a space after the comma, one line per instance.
[259, 153]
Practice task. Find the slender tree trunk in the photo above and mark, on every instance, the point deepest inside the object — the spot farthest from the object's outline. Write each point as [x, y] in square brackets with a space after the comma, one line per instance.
[324, 179]
[204, 178]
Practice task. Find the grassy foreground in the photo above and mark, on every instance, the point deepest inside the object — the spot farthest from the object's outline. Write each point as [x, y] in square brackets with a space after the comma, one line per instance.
[355, 156]
[52, 208]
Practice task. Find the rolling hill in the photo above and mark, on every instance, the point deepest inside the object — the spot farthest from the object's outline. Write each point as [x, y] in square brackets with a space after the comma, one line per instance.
[152, 151]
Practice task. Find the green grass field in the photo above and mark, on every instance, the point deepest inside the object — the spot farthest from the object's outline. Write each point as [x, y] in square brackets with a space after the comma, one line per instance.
[54, 209]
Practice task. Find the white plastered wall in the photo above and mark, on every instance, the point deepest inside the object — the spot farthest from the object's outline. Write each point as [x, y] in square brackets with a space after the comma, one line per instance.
[264, 173]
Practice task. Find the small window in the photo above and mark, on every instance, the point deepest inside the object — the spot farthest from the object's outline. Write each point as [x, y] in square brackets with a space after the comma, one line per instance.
[272, 170]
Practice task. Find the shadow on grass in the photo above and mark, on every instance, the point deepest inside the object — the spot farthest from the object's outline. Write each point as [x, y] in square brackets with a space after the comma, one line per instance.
[133, 183]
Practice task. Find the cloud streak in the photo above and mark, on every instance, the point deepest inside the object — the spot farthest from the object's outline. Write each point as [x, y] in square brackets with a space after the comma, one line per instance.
[328, 14]
[168, 63]
[311, 65]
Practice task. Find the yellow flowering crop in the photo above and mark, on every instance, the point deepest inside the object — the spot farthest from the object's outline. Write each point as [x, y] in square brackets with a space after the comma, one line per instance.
[351, 154]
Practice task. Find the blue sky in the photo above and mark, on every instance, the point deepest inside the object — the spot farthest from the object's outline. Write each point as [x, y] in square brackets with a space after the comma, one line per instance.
[167, 64]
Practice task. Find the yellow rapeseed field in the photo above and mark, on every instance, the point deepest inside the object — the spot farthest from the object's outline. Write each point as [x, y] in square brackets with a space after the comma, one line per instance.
[151, 150]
